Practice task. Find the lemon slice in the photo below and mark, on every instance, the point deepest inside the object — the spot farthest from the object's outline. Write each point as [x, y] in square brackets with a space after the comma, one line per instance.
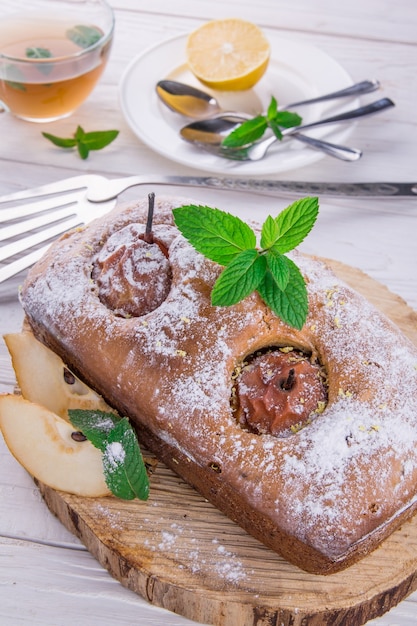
[229, 55]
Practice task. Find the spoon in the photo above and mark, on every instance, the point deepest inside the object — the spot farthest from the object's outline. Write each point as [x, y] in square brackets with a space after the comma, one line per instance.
[211, 132]
[191, 102]
[198, 104]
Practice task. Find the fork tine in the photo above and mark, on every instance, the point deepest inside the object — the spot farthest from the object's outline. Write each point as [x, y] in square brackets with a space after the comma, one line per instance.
[25, 243]
[21, 227]
[68, 184]
[24, 210]
[11, 269]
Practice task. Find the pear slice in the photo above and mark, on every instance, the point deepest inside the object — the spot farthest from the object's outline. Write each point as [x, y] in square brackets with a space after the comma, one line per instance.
[41, 441]
[43, 378]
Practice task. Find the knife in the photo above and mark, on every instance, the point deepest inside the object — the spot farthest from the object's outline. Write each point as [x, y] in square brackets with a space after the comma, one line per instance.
[271, 187]
[108, 189]
[99, 188]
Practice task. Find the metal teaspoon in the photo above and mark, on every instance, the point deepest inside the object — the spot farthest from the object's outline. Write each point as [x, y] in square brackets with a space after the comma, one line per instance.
[197, 104]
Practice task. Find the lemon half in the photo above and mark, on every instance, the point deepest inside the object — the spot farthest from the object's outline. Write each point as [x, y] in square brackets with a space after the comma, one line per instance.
[229, 55]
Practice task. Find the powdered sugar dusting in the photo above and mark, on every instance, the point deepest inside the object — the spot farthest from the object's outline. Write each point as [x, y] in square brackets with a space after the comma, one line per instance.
[328, 485]
[222, 562]
[114, 455]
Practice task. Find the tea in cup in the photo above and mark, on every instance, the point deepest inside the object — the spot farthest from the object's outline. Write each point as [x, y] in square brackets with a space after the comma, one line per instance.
[52, 53]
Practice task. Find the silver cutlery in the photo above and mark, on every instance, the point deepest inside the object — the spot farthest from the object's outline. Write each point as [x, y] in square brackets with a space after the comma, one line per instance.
[53, 209]
[195, 103]
[212, 131]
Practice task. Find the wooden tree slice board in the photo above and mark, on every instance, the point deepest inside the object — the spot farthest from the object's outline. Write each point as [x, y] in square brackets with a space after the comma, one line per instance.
[180, 553]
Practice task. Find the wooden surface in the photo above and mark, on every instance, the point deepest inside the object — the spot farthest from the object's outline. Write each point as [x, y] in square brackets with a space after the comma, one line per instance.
[180, 553]
[47, 577]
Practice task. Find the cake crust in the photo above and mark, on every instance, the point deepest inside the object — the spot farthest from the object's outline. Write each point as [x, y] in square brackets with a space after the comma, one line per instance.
[322, 497]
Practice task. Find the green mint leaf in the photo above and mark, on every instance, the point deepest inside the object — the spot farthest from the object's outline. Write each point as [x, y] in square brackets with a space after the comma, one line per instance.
[250, 131]
[240, 278]
[290, 304]
[61, 142]
[83, 150]
[38, 53]
[275, 129]
[225, 239]
[218, 235]
[16, 77]
[84, 142]
[41, 53]
[15, 85]
[99, 139]
[270, 233]
[123, 466]
[124, 469]
[95, 425]
[283, 119]
[84, 36]
[272, 109]
[287, 119]
[246, 133]
[279, 268]
[295, 222]
[79, 133]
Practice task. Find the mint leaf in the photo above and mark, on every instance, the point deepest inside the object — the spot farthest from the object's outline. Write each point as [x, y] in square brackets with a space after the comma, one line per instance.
[287, 119]
[61, 142]
[280, 269]
[124, 469]
[84, 36]
[38, 53]
[15, 77]
[251, 130]
[295, 222]
[99, 139]
[240, 278]
[95, 425]
[218, 235]
[246, 133]
[84, 142]
[290, 304]
[79, 133]
[276, 129]
[225, 239]
[15, 85]
[83, 150]
[270, 232]
[272, 109]
[123, 466]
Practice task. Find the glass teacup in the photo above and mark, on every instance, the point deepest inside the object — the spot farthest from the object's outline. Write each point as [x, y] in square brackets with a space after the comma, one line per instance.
[52, 53]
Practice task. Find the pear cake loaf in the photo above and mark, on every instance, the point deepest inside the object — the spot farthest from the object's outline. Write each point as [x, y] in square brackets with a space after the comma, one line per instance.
[306, 438]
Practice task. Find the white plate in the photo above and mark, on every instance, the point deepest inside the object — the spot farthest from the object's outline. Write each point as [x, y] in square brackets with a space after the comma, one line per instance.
[296, 71]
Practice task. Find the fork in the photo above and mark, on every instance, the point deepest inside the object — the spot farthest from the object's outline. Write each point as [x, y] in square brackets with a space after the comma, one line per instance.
[57, 207]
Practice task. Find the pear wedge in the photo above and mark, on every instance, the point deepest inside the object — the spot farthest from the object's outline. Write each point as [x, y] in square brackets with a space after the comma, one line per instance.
[43, 378]
[41, 441]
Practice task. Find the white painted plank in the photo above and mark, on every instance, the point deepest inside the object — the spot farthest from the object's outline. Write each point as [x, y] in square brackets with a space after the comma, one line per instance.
[373, 19]
[31, 591]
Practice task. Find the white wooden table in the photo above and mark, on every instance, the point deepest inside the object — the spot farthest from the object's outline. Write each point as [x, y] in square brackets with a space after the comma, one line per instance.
[46, 577]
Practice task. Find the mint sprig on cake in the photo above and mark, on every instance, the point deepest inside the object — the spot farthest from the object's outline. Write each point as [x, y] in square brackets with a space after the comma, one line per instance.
[227, 240]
